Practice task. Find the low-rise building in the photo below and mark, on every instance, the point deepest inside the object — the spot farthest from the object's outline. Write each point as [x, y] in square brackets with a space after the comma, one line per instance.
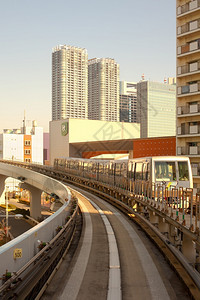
[25, 144]
[74, 137]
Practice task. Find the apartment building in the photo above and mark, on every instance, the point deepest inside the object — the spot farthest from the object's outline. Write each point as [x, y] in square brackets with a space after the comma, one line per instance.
[103, 89]
[156, 109]
[128, 102]
[188, 83]
[69, 82]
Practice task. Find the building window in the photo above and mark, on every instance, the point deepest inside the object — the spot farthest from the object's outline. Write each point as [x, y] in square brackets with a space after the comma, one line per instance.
[27, 152]
[27, 143]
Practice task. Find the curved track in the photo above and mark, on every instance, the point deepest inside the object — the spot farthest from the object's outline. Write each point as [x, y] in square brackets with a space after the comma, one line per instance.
[95, 273]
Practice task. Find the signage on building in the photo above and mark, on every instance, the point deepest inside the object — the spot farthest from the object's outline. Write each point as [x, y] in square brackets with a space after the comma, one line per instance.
[64, 128]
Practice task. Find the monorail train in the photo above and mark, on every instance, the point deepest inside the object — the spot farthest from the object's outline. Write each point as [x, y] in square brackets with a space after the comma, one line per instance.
[172, 171]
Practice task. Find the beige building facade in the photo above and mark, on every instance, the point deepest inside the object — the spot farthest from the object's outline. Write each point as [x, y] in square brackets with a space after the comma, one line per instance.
[72, 137]
[188, 83]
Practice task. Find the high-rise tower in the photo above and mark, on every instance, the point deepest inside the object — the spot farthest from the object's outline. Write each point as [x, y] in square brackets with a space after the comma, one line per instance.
[128, 102]
[188, 83]
[156, 109]
[69, 83]
[103, 89]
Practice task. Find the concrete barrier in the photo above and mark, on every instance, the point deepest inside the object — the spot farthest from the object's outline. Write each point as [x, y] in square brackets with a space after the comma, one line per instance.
[16, 253]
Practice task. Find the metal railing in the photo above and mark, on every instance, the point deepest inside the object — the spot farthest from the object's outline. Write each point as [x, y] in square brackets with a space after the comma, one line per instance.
[187, 7]
[188, 28]
[178, 203]
[183, 110]
[188, 89]
[188, 129]
[188, 48]
[189, 68]
[192, 150]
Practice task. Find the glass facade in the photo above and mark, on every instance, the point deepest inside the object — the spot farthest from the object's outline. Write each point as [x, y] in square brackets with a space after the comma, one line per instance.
[156, 109]
[161, 109]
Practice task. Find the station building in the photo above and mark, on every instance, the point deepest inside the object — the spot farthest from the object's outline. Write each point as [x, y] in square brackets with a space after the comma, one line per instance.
[73, 137]
[90, 138]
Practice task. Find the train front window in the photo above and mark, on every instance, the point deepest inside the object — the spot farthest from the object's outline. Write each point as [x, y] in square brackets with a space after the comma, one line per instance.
[138, 174]
[165, 171]
[183, 170]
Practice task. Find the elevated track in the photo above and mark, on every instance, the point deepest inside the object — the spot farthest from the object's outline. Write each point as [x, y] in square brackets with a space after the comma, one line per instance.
[152, 214]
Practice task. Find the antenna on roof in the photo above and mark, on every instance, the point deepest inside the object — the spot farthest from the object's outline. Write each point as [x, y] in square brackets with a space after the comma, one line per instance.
[24, 122]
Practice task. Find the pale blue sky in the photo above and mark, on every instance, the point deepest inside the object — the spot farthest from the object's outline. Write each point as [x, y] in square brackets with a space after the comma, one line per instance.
[139, 35]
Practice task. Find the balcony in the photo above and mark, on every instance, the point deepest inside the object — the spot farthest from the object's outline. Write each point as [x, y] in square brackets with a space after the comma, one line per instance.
[189, 69]
[188, 7]
[188, 129]
[195, 169]
[190, 150]
[190, 110]
[188, 90]
[189, 27]
[188, 48]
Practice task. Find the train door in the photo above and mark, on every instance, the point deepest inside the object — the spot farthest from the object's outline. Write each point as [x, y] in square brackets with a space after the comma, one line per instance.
[117, 174]
[101, 172]
[107, 172]
[98, 171]
[85, 168]
[131, 175]
[114, 173]
[110, 173]
[124, 175]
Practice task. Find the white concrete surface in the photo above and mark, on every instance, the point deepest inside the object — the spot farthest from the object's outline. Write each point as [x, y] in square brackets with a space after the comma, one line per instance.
[72, 288]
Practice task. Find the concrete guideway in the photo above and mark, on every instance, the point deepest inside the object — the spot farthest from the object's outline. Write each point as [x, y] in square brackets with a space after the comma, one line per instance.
[153, 278]
[177, 218]
[140, 277]
[36, 183]
[114, 286]
[73, 286]
[155, 288]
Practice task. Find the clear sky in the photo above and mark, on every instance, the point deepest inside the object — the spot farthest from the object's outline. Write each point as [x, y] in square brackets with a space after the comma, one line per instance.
[139, 35]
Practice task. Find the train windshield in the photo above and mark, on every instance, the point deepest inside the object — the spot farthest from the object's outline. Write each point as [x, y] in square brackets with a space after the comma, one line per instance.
[183, 171]
[165, 171]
